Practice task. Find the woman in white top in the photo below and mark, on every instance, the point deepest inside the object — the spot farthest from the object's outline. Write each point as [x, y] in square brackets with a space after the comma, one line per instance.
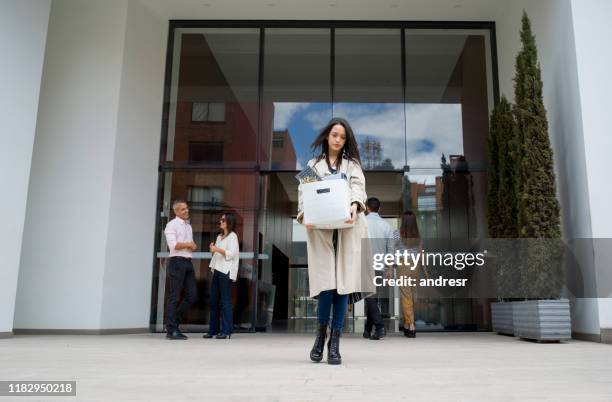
[224, 266]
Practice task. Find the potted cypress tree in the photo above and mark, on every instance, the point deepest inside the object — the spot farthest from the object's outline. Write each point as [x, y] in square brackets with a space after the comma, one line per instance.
[523, 206]
[545, 316]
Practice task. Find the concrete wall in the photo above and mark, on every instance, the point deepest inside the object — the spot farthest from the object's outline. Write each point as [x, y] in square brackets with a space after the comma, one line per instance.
[592, 30]
[126, 299]
[87, 259]
[23, 33]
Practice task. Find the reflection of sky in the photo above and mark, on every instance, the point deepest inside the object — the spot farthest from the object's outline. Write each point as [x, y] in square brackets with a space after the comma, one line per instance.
[431, 129]
[295, 117]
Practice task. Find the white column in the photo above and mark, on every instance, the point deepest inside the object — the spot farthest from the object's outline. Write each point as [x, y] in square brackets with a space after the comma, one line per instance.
[23, 33]
[126, 298]
[62, 266]
[89, 234]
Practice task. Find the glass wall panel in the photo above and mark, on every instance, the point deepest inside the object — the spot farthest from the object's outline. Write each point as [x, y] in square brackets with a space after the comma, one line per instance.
[448, 96]
[296, 94]
[224, 150]
[210, 195]
[448, 99]
[368, 93]
[213, 109]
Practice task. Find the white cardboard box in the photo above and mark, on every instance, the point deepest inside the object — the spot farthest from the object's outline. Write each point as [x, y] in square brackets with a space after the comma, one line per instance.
[327, 204]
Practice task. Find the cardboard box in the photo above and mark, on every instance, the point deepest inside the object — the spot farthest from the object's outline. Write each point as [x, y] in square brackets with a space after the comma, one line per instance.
[327, 204]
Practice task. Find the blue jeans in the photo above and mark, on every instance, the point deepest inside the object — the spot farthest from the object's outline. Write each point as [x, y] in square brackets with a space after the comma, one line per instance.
[326, 300]
[220, 299]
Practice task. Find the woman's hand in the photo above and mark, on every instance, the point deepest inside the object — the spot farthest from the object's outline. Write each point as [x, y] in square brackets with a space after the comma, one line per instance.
[309, 226]
[213, 248]
[354, 207]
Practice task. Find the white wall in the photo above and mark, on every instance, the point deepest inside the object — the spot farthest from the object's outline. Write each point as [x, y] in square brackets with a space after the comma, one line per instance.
[130, 239]
[68, 209]
[23, 33]
[422, 10]
[91, 209]
[592, 29]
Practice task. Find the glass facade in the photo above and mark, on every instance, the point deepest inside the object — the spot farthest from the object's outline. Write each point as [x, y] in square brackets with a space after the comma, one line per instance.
[244, 103]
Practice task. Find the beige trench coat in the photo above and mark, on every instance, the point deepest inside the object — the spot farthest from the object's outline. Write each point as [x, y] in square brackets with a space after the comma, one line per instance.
[350, 271]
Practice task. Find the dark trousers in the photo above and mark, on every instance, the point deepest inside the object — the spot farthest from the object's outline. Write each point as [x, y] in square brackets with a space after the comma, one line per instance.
[373, 316]
[182, 276]
[329, 300]
[220, 300]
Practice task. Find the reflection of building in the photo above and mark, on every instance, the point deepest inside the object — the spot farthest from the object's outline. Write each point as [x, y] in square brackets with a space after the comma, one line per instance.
[372, 154]
[458, 220]
[283, 152]
[446, 208]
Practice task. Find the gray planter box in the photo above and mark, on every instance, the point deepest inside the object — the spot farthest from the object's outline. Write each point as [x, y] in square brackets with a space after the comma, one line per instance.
[502, 318]
[542, 320]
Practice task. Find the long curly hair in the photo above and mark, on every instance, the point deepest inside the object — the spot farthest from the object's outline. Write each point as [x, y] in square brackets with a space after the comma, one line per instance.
[350, 150]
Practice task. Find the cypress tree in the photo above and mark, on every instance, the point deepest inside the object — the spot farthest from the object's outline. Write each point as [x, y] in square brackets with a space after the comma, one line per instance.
[493, 217]
[508, 159]
[502, 194]
[540, 254]
[538, 207]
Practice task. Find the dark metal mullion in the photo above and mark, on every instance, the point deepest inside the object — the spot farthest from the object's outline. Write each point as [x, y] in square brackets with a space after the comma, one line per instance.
[332, 72]
[404, 84]
[259, 181]
[493, 50]
[331, 23]
[161, 176]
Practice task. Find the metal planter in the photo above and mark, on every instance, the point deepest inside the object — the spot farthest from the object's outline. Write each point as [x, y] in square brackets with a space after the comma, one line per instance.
[502, 318]
[542, 320]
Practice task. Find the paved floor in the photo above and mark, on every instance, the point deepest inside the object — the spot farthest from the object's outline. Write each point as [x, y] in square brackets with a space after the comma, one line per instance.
[275, 367]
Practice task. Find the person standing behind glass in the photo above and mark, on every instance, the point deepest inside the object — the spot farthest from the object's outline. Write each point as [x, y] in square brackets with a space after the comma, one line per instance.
[334, 255]
[410, 240]
[179, 237]
[381, 239]
[224, 266]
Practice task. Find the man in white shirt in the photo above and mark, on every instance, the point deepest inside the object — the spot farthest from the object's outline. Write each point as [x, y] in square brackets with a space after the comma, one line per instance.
[381, 238]
[179, 237]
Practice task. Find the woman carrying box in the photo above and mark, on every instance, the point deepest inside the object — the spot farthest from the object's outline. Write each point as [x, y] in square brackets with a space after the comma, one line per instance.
[335, 258]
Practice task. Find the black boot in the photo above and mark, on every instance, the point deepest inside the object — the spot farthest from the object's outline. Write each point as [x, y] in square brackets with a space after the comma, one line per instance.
[316, 354]
[409, 333]
[333, 347]
[379, 333]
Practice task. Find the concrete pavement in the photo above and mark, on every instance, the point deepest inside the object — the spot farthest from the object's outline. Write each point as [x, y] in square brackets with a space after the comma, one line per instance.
[275, 367]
